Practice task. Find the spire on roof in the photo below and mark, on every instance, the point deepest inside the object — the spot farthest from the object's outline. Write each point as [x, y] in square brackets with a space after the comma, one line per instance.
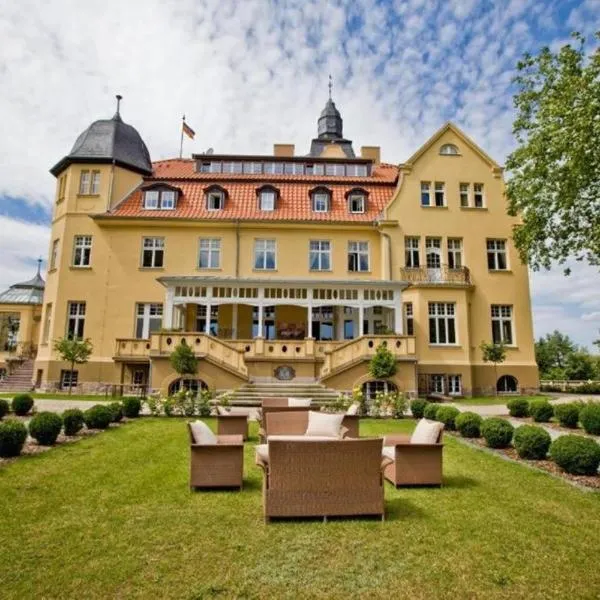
[330, 85]
[117, 115]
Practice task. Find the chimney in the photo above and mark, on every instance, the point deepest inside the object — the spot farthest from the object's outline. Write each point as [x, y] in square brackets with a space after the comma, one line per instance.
[286, 150]
[372, 152]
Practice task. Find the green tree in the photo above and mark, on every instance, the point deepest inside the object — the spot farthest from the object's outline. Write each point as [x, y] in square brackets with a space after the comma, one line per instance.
[552, 353]
[580, 366]
[383, 363]
[496, 354]
[74, 351]
[183, 360]
[555, 170]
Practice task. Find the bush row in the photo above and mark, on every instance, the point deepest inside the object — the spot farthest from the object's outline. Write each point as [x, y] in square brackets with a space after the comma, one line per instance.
[45, 427]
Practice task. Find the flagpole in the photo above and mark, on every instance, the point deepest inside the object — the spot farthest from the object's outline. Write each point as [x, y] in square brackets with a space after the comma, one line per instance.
[181, 141]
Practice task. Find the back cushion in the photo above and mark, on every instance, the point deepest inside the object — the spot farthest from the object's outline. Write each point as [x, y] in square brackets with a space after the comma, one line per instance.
[299, 402]
[324, 424]
[353, 409]
[426, 432]
[203, 434]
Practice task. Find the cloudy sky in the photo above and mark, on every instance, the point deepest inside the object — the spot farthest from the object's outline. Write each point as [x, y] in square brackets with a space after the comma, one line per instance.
[248, 73]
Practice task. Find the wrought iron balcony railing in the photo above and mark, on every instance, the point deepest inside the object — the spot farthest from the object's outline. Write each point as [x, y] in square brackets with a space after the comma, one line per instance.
[443, 275]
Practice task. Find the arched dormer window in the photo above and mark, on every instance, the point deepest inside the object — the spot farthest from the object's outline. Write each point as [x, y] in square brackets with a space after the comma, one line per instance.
[449, 150]
[357, 200]
[160, 196]
[320, 198]
[268, 196]
[215, 197]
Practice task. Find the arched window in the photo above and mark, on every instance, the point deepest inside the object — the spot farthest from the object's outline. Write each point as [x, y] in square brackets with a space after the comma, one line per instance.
[371, 388]
[449, 150]
[192, 385]
[507, 384]
[215, 197]
[357, 200]
[320, 199]
[268, 196]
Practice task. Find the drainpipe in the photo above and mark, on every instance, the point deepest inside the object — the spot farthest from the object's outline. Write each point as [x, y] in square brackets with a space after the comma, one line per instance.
[237, 248]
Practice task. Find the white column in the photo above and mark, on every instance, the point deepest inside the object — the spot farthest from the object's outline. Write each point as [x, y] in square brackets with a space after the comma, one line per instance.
[207, 322]
[398, 316]
[261, 311]
[361, 319]
[309, 332]
[168, 312]
[234, 321]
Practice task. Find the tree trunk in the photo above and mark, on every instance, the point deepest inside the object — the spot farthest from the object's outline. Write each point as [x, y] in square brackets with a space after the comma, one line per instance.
[496, 380]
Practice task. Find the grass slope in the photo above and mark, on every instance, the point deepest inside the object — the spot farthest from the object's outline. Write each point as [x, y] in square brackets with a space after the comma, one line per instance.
[112, 517]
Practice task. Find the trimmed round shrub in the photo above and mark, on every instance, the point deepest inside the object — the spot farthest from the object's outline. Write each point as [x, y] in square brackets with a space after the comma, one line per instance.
[541, 410]
[4, 408]
[532, 442]
[469, 424]
[132, 407]
[417, 407]
[116, 408]
[12, 438]
[430, 411]
[98, 417]
[589, 416]
[497, 432]
[567, 414]
[447, 415]
[45, 427]
[73, 421]
[22, 404]
[576, 454]
[518, 407]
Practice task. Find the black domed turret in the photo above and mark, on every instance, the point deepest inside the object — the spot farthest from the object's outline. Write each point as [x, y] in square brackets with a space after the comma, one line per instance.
[330, 122]
[109, 140]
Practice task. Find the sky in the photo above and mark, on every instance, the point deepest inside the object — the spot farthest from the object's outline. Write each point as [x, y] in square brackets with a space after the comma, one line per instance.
[250, 73]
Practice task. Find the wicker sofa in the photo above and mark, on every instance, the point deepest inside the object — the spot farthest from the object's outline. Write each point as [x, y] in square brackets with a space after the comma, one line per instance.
[296, 422]
[323, 478]
[217, 465]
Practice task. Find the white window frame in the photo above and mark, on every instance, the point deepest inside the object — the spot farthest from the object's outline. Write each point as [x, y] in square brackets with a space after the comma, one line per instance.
[148, 313]
[267, 199]
[320, 201]
[439, 188]
[496, 248]
[321, 249]
[502, 314]
[409, 318]
[211, 248]
[360, 249]
[464, 191]
[356, 197]
[262, 248]
[95, 183]
[433, 248]
[76, 312]
[151, 200]
[455, 252]
[153, 245]
[449, 150]
[69, 378]
[436, 383]
[82, 251]
[215, 200]
[478, 192]
[84, 182]
[426, 192]
[167, 199]
[455, 385]
[412, 252]
[442, 314]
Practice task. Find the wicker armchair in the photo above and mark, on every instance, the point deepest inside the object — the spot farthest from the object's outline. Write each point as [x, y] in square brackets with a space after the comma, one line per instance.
[323, 479]
[232, 424]
[217, 465]
[413, 464]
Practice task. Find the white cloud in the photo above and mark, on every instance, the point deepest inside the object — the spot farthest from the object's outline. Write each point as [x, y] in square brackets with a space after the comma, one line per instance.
[593, 316]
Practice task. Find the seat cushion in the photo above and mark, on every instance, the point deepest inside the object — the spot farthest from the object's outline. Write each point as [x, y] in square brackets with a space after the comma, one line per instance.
[203, 434]
[426, 432]
[301, 438]
[389, 452]
[353, 409]
[262, 452]
[300, 402]
[324, 424]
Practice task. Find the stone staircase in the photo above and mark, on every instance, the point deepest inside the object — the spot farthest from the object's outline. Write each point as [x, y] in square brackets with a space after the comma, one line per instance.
[21, 379]
[251, 394]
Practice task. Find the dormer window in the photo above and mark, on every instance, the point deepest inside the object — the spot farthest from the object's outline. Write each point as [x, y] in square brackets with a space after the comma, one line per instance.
[160, 199]
[321, 199]
[215, 198]
[267, 197]
[357, 201]
[151, 199]
[167, 200]
[449, 150]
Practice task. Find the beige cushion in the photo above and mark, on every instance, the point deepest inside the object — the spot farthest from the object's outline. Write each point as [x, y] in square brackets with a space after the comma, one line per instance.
[353, 409]
[303, 402]
[203, 434]
[324, 424]
[222, 411]
[301, 438]
[389, 452]
[426, 432]
[262, 452]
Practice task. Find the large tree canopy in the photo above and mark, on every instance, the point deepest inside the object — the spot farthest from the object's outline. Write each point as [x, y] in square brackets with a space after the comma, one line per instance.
[554, 182]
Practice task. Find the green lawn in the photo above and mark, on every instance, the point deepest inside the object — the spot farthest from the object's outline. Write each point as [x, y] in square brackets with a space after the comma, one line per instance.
[492, 400]
[112, 517]
[61, 396]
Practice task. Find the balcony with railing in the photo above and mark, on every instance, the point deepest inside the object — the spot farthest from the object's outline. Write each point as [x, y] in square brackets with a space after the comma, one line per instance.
[443, 276]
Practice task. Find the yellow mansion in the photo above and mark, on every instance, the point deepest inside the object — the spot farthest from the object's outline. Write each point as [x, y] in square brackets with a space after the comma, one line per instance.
[291, 267]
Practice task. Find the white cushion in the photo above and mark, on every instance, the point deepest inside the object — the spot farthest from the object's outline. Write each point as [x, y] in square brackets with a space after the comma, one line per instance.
[301, 438]
[353, 409]
[389, 452]
[324, 424]
[203, 434]
[262, 452]
[304, 402]
[426, 432]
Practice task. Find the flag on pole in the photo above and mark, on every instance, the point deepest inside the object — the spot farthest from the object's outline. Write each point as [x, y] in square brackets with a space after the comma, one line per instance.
[188, 130]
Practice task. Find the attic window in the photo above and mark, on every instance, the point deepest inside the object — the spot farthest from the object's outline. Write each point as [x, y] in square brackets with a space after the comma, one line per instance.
[267, 198]
[160, 199]
[215, 198]
[357, 201]
[321, 199]
[449, 150]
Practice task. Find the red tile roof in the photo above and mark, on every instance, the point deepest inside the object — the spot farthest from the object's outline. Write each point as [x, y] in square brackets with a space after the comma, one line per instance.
[242, 203]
